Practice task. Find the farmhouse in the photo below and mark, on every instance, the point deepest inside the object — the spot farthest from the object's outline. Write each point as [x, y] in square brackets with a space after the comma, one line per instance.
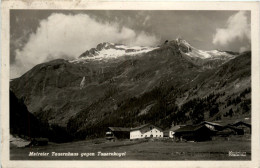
[195, 133]
[145, 131]
[229, 130]
[114, 133]
[244, 126]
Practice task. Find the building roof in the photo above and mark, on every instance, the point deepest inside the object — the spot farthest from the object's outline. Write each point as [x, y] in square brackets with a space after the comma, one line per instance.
[241, 123]
[186, 128]
[119, 129]
[191, 128]
[238, 130]
[145, 125]
[139, 127]
[174, 128]
[210, 123]
[230, 127]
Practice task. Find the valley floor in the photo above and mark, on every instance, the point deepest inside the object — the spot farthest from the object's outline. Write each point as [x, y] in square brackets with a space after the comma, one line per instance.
[151, 149]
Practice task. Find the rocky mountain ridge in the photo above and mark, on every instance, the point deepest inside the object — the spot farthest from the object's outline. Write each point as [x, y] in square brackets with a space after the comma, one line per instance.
[108, 50]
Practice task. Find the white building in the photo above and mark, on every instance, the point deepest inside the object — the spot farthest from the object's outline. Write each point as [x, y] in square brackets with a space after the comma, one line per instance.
[145, 131]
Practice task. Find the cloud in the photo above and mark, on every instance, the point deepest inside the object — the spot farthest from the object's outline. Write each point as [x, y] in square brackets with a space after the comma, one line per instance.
[244, 48]
[68, 36]
[237, 28]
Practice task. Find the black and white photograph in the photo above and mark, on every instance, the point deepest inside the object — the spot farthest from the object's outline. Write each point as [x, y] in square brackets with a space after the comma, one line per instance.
[130, 85]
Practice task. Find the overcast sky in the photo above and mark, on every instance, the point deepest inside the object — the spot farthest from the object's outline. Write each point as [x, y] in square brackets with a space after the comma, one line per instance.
[41, 35]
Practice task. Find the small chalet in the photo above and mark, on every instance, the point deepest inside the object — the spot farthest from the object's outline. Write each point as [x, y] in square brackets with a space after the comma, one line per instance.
[145, 131]
[114, 133]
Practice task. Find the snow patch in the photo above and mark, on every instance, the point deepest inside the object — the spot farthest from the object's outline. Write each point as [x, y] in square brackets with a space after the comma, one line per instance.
[194, 52]
[213, 54]
[118, 50]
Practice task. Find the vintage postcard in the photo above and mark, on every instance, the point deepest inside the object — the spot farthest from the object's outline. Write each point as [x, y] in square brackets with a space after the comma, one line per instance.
[130, 84]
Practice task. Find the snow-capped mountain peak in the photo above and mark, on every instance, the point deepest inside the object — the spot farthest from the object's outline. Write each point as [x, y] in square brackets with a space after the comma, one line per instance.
[183, 43]
[106, 50]
[187, 49]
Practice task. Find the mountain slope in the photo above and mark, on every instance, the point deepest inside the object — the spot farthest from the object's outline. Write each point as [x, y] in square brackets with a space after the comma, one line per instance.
[53, 87]
[210, 96]
[114, 84]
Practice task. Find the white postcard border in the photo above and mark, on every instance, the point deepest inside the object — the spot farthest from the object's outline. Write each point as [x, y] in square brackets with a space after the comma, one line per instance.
[101, 5]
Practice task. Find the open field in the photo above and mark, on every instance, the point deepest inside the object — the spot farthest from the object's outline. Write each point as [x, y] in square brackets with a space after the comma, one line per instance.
[139, 150]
